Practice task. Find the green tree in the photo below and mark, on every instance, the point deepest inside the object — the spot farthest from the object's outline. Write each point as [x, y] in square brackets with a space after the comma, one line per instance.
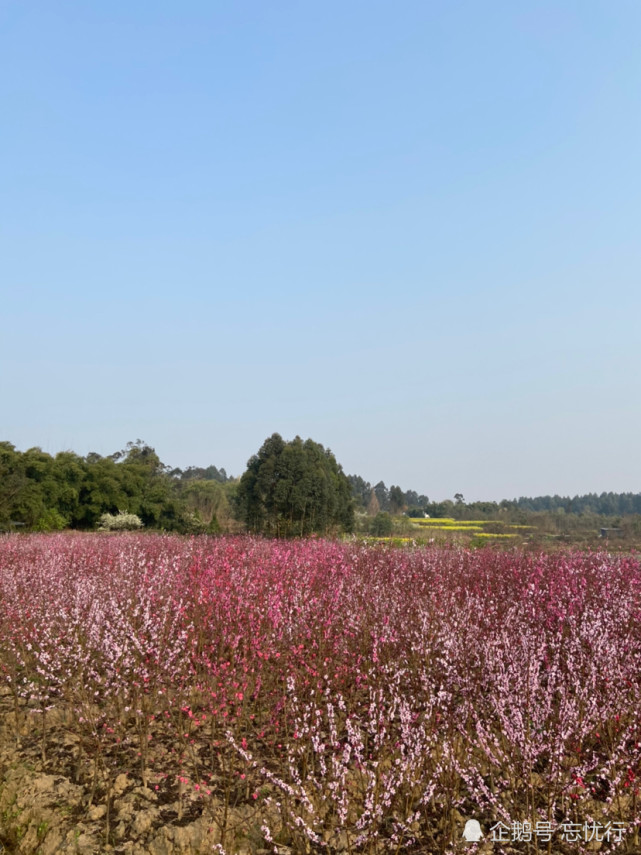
[382, 525]
[148, 487]
[396, 500]
[382, 495]
[294, 489]
[100, 492]
[13, 481]
[361, 490]
[40, 492]
[207, 499]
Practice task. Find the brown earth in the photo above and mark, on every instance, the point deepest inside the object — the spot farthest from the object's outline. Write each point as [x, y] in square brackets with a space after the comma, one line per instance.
[68, 804]
[43, 811]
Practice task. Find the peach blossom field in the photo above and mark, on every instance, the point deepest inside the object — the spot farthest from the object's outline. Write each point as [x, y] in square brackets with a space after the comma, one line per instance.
[238, 695]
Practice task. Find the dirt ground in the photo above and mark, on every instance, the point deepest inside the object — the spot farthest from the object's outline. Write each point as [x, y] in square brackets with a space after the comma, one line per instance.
[58, 806]
[44, 811]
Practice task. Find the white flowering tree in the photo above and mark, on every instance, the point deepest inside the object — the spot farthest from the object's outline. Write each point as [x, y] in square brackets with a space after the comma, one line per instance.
[122, 521]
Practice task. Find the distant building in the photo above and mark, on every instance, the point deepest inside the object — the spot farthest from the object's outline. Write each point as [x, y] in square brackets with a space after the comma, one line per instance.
[611, 532]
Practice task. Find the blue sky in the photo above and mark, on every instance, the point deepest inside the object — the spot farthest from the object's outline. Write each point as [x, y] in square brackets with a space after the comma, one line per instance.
[407, 230]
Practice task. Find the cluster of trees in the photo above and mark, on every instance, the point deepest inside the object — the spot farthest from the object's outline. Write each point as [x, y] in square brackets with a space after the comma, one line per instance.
[46, 493]
[197, 473]
[289, 488]
[381, 499]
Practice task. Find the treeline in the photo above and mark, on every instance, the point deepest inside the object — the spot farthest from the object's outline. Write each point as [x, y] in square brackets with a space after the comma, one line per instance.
[289, 488]
[393, 500]
[605, 504]
[42, 492]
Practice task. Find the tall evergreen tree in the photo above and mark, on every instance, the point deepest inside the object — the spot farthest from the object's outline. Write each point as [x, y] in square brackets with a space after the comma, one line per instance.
[294, 489]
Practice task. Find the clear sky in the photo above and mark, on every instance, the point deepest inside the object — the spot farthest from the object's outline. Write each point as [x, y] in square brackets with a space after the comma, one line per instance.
[407, 230]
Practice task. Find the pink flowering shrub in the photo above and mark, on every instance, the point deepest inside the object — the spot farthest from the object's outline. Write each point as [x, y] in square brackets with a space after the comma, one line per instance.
[353, 698]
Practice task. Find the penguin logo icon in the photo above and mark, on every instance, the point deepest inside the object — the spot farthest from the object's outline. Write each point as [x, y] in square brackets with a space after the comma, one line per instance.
[472, 831]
